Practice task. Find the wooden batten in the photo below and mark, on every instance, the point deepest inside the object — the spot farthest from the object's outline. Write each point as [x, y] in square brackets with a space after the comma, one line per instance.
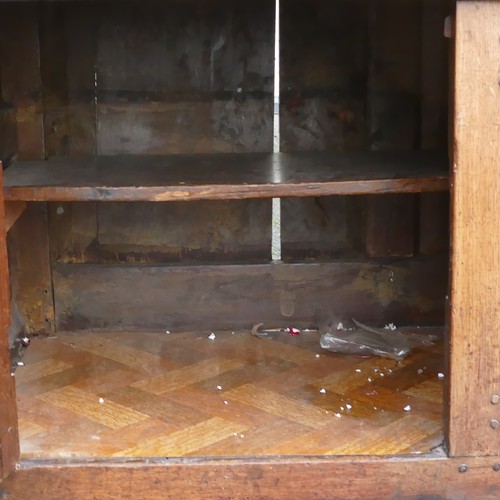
[121, 297]
[342, 478]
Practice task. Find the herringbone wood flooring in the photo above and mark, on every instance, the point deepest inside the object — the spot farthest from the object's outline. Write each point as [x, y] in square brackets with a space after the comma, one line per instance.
[181, 394]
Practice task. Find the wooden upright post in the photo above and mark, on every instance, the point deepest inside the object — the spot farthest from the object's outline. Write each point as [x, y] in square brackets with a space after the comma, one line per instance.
[9, 441]
[474, 361]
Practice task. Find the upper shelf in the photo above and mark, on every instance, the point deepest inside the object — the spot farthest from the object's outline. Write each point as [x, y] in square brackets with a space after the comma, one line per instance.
[224, 176]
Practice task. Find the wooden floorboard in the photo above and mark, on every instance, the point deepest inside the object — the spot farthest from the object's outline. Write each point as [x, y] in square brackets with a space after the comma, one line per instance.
[181, 394]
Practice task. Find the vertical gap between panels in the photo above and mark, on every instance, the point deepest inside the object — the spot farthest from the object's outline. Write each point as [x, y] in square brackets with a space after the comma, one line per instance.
[276, 206]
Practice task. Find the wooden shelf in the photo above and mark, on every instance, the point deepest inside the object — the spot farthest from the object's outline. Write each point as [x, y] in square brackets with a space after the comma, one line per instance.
[224, 176]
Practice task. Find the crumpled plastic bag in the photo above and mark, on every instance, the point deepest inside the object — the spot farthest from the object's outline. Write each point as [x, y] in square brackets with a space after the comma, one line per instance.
[370, 341]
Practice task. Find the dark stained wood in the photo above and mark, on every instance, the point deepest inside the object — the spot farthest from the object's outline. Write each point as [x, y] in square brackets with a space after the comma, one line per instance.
[21, 84]
[230, 176]
[434, 225]
[203, 231]
[72, 230]
[9, 439]
[319, 228]
[185, 77]
[390, 226]
[433, 208]
[13, 210]
[393, 115]
[30, 269]
[8, 132]
[111, 297]
[474, 358]
[323, 74]
[273, 478]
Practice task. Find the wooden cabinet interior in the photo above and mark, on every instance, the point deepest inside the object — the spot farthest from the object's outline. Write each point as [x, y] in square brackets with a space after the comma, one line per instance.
[173, 101]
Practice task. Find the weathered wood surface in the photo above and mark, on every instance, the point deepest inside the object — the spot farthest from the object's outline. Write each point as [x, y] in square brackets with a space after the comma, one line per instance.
[20, 76]
[230, 176]
[30, 269]
[185, 77]
[393, 116]
[273, 478]
[230, 296]
[9, 439]
[475, 265]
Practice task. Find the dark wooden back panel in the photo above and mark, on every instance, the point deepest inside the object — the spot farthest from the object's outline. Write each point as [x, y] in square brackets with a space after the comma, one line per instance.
[368, 74]
[157, 78]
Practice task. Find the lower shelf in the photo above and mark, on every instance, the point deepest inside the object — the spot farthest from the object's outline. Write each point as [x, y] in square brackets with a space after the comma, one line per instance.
[182, 394]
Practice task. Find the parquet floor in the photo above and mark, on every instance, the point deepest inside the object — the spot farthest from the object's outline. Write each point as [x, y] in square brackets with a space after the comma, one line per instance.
[182, 394]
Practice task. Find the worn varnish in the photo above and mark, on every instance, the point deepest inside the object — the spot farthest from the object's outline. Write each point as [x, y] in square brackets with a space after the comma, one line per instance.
[183, 177]
[475, 263]
[182, 394]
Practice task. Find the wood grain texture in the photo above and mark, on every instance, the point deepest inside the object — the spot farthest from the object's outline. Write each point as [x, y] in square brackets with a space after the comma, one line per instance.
[273, 478]
[119, 297]
[475, 264]
[227, 176]
[182, 394]
[9, 439]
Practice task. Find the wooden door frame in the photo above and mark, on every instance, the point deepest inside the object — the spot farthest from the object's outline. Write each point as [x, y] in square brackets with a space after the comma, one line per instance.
[471, 469]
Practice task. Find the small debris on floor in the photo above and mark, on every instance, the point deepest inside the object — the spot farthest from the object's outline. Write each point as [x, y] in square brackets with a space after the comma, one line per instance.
[95, 437]
[440, 375]
[420, 371]
[25, 341]
[407, 408]
[390, 326]
[348, 406]
[211, 336]
[219, 388]
[167, 332]
[293, 331]
[101, 401]
[323, 391]
[317, 356]
[369, 379]
[382, 375]
[340, 326]
[225, 402]
[338, 415]
[20, 363]
[60, 211]
[358, 370]
[342, 408]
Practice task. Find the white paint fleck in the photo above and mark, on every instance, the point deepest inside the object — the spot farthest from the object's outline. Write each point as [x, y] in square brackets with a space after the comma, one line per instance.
[340, 326]
[390, 326]
[358, 370]
[369, 379]
[95, 437]
[440, 375]
[407, 408]
[167, 332]
[342, 408]
[219, 388]
[225, 402]
[338, 415]
[420, 371]
[317, 356]
[348, 406]
[382, 375]
[212, 336]
[101, 401]
[323, 391]
[20, 363]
